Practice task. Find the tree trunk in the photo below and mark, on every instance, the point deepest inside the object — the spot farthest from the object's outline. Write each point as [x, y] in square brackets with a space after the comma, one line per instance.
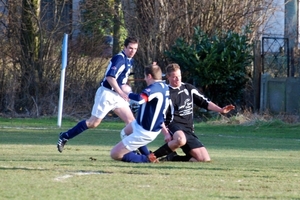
[116, 27]
[28, 54]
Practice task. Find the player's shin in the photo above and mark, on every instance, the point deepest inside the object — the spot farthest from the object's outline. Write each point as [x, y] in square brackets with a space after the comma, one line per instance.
[162, 151]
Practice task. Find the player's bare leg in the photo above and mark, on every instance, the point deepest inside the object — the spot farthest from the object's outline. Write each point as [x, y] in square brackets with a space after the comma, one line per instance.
[125, 114]
[178, 140]
[118, 151]
[200, 155]
[93, 122]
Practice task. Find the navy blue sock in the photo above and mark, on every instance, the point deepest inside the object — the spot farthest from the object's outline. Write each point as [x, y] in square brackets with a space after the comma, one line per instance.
[134, 158]
[144, 150]
[76, 130]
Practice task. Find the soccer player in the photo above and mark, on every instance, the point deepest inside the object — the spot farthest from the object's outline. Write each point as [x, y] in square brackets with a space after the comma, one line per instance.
[149, 122]
[109, 95]
[179, 120]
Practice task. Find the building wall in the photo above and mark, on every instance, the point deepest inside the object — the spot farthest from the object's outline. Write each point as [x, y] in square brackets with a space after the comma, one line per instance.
[280, 95]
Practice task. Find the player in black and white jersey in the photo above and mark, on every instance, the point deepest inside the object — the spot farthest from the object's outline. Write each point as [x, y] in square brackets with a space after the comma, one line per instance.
[153, 100]
[109, 95]
[179, 119]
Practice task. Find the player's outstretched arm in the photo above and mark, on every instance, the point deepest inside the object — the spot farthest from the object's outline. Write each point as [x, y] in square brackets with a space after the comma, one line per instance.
[212, 106]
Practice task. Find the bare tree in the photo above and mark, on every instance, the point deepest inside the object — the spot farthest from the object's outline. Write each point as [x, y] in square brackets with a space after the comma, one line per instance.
[159, 23]
[31, 34]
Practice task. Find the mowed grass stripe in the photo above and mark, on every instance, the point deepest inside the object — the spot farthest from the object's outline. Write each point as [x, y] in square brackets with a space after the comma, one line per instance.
[248, 162]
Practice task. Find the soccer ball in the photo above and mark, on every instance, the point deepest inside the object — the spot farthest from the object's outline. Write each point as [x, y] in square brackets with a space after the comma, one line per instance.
[126, 88]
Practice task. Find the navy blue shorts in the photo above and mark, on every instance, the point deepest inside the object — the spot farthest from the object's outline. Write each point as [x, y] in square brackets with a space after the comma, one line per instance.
[192, 141]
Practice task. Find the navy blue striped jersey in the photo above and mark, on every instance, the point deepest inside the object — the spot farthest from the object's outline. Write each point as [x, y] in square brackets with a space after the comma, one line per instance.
[154, 101]
[119, 67]
[182, 102]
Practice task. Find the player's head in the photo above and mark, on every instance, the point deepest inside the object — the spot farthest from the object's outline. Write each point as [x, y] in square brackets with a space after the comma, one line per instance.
[153, 72]
[173, 74]
[130, 46]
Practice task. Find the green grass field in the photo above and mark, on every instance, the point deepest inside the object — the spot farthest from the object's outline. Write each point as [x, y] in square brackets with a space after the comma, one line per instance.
[261, 161]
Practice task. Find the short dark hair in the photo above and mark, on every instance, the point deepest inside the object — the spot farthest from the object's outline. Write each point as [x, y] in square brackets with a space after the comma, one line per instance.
[171, 68]
[154, 70]
[130, 40]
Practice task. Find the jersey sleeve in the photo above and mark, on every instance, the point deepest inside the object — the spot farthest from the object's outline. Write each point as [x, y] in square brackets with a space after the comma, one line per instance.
[198, 98]
[115, 64]
[140, 98]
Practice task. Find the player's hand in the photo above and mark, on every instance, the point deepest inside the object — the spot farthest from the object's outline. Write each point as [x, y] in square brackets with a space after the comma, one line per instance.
[168, 138]
[228, 108]
[166, 133]
[124, 96]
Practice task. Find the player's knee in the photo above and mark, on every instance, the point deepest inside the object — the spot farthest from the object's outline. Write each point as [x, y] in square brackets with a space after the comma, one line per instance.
[129, 119]
[207, 160]
[114, 155]
[204, 159]
[201, 155]
[201, 159]
[92, 126]
[180, 141]
[93, 123]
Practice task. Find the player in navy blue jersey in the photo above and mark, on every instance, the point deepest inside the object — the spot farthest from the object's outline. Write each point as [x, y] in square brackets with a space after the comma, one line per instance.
[179, 120]
[149, 122]
[109, 95]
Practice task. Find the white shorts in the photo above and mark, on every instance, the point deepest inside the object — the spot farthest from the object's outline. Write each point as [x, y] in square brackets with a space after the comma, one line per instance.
[105, 101]
[139, 137]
